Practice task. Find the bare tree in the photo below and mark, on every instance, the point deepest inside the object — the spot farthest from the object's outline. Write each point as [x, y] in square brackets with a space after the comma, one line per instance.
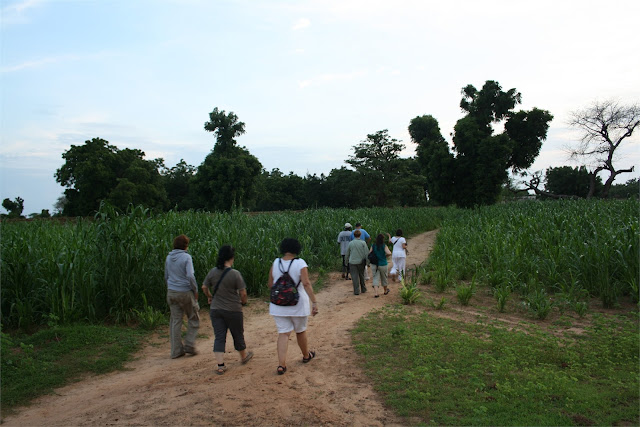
[604, 126]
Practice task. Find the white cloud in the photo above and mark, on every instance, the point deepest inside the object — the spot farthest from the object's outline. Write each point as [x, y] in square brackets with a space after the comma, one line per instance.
[301, 24]
[13, 13]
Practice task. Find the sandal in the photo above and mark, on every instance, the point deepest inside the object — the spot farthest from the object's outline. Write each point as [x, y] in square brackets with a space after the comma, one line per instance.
[312, 354]
[282, 370]
[246, 359]
[387, 291]
[221, 369]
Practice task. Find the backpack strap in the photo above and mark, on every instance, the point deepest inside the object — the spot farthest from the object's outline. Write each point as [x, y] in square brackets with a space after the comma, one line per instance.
[226, 270]
[280, 267]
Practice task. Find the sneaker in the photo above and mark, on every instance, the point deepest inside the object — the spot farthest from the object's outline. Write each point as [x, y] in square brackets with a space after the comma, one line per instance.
[190, 350]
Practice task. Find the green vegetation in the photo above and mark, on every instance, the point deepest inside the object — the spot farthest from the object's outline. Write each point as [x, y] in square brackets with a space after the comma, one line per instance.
[568, 249]
[37, 364]
[447, 372]
[112, 267]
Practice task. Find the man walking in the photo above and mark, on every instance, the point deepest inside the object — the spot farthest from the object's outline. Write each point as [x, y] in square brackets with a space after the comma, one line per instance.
[344, 238]
[357, 256]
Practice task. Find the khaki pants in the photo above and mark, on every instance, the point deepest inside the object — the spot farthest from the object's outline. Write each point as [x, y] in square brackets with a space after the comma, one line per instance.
[181, 304]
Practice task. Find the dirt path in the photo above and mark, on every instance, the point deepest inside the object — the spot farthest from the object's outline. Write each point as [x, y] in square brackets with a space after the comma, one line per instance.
[155, 390]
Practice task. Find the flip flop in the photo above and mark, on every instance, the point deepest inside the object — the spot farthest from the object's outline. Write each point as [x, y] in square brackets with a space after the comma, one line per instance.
[221, 370]
[246, 359]
[282, 370]
[312, 354]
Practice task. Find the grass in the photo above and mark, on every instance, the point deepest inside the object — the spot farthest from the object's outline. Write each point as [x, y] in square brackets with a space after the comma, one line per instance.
[448, 372]
[33, 365]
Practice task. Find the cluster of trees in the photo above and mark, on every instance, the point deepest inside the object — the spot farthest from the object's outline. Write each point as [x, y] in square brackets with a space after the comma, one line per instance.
[231, 177]
[474, 170]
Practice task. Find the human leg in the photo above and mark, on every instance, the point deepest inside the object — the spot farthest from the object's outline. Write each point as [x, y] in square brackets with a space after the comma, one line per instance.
[355, 279]
[402, 262]
[191, 308]
[363, 287]
[383, 277]
[344, 267]
[283, 346]
[236, 327]
[375, 272]
[175, 325]
[220, 332]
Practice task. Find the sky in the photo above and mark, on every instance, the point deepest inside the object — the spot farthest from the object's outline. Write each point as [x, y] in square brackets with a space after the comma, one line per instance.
[310, 79]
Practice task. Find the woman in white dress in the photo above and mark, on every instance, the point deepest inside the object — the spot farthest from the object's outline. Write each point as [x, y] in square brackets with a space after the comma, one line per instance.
[398, 256]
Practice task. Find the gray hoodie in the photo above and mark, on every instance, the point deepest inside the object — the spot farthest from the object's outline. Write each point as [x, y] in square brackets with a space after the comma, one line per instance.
[178, 272]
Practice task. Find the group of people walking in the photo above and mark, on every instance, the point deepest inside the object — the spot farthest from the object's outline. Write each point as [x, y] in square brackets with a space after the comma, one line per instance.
[226, 293]
[355, 252]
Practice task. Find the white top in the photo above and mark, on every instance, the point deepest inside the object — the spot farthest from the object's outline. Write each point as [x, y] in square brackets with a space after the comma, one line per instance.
[303, 308]
[398, 250]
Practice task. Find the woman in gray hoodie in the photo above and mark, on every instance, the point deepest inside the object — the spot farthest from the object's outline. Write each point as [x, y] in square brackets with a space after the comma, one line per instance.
[182, 297]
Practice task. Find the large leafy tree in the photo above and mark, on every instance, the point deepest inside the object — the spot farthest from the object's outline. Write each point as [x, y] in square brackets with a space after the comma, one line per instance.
[604, 127]
[568, 181]
[377, 161]
[14, 208]
[229, 175]
[281, 192]
[99, 171]
[178, 183]
[474, 172]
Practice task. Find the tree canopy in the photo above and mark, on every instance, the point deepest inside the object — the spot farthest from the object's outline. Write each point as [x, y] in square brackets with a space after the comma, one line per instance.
[228, 176]
[98, 171]
[473, 172]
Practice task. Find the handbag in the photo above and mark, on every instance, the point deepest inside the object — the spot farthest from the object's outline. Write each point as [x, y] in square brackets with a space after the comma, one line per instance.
[372, 257]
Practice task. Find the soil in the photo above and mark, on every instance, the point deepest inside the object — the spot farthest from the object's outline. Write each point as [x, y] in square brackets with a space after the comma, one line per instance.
[331, 390]
[155, 390]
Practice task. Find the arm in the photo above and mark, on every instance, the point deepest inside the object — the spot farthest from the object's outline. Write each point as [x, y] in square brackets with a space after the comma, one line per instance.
[270, 282]
[243, 296]
[206, 291]
[192, 277]
[304, 277]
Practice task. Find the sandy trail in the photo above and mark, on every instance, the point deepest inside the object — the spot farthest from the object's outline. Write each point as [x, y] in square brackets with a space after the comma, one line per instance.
[156, 390]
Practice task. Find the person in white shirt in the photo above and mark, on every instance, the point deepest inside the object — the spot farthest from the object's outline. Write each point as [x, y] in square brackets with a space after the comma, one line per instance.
[398, 256]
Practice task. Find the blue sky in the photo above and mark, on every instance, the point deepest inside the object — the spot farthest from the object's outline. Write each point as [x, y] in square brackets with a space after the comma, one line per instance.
[310, 79]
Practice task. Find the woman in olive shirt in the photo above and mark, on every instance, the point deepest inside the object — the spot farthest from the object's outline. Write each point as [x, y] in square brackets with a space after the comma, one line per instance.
[227, 293]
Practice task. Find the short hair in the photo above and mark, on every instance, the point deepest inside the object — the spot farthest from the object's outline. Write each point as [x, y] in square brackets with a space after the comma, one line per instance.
[291, 245]
[181, 242]
[358, 224]
[357, 233]
[225, 253]
[399, 232]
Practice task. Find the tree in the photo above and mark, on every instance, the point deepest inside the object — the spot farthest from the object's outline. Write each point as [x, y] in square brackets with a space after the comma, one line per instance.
[98, 171]
[14, 208]
[628, 190]
[229, 175]
[178, 183]
[604, 126]
[281, 192]
[434, 158]
[568, 181]
[474, 173]
[376, 159]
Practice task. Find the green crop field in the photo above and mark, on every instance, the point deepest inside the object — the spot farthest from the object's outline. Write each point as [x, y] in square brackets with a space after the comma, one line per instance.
[107, 267]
